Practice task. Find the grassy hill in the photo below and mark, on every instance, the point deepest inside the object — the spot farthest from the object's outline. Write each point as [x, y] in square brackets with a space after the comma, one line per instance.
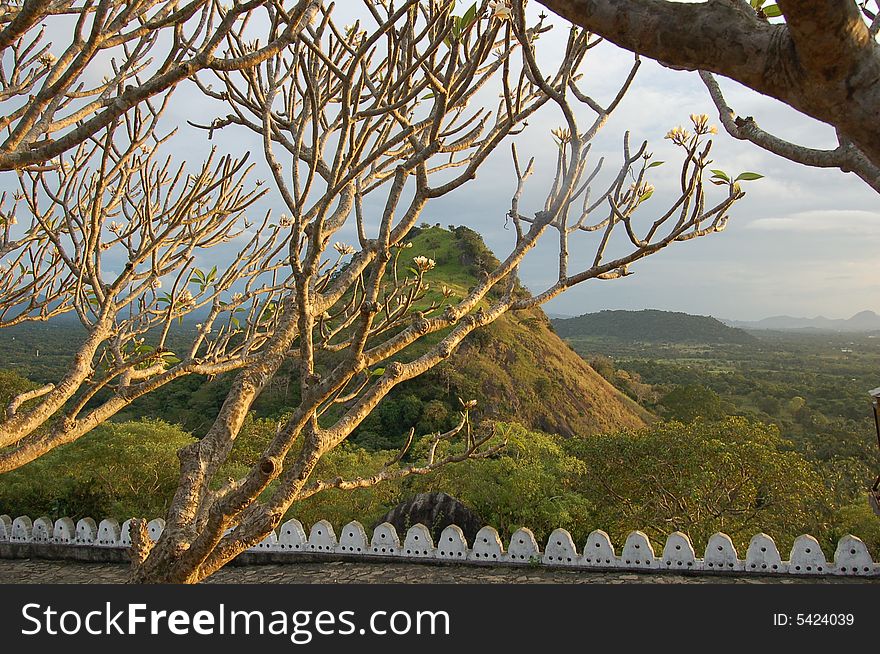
[517, 368]
[520, 370]
[651, 326]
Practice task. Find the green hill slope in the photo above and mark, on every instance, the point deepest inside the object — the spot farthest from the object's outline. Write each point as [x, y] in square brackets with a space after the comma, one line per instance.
[517, 368]
[651, 326]
[520, 370]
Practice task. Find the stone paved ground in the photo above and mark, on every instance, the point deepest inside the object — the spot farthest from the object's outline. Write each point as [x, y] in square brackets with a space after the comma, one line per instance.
[36, 571]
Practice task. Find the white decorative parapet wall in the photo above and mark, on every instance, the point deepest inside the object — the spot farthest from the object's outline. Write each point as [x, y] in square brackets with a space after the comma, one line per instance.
[851, 557]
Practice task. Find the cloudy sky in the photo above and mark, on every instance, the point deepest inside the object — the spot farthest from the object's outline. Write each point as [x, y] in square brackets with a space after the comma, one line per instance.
[803, 242]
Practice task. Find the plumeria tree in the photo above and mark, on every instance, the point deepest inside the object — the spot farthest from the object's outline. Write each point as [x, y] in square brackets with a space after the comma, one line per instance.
[365, 125]
[114, 230]
[83, 85]
[362, 126]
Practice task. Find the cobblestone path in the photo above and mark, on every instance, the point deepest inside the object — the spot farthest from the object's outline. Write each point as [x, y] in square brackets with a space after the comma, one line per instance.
[36, 571]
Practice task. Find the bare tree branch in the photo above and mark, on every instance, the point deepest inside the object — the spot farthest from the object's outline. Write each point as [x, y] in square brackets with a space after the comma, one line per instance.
[49, 110]
[823, 60]
[845, 156]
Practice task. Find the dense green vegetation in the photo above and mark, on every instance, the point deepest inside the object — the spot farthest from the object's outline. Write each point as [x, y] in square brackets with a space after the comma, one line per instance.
[764, 433]
[737, 476]
[812, 387]
[119, 469]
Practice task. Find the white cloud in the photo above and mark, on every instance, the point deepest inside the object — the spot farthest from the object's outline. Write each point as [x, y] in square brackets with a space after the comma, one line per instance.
[841, 221]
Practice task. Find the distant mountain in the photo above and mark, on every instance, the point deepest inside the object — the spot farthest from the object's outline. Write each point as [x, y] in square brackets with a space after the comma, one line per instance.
[864, 321]
[651, 326]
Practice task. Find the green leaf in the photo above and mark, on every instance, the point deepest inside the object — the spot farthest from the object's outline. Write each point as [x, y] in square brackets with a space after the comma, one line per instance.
[747, 177]
[645, 196]
[654, 164]
[170, 358]
[377, 372]
[469, 15]
[455, 33]
[720, 174]
[772, 11]
[268, 312]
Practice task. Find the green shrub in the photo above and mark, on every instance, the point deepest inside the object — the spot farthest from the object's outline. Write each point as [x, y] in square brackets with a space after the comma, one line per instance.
[733, 476]
[118, 470]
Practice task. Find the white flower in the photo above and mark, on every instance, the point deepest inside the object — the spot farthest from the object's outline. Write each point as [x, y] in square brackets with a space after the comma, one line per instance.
[641, 190]
[424, 264]
[185, 299]
[237, 297]
[115, 227]
[701, 124]
[561, 135]
[156, 284]
[284, 220]
[500, 9]
[678, 135]
[343, 248]
[700, 121]
[47, 59]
